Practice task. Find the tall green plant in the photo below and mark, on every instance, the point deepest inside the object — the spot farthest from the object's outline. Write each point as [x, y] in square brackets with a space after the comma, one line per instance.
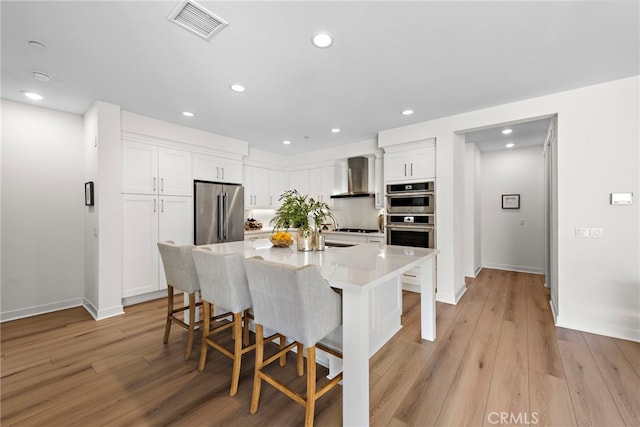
[296, 211]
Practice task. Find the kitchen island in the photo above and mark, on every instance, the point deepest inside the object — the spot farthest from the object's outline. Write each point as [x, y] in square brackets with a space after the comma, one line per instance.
[370, 278]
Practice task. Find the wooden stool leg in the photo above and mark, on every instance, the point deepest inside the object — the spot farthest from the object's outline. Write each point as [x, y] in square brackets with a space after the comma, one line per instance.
[167, 327]
[255, 397]
[192, 321]
[237, 352]
[245, 328]
[205, 335]
[300, 365]
[283, 344]
[311, 387]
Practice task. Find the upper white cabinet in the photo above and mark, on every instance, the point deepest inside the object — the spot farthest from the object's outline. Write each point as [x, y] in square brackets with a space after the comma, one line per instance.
[263, 187]
[410, 162]
[150, 169]
[277, 186]
[256, 187]
[318, 182]
[219, 169]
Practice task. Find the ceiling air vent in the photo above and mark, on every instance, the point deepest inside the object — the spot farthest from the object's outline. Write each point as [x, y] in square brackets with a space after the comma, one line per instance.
[197, 19]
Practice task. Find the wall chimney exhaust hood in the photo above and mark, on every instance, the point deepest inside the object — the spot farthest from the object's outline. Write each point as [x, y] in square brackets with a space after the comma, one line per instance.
[357, 178]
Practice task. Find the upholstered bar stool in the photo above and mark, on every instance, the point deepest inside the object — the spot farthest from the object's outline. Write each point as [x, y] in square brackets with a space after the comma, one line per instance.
[223, 281]
[181, 274]
[298, 303]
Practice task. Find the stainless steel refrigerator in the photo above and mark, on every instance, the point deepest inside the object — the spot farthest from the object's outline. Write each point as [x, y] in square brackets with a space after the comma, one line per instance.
[219, 212]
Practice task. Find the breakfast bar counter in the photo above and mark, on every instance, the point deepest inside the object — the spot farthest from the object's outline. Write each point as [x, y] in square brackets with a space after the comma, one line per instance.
[370, 278]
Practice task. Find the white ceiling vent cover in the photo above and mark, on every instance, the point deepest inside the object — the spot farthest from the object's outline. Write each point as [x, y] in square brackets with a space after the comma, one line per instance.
[197, 19]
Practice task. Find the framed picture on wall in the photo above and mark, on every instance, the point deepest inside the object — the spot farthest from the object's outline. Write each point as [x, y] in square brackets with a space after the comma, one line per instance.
[88, 193]
[510, 201]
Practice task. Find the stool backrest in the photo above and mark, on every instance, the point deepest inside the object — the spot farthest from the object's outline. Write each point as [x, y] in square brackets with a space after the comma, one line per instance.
[179, 267]
[297, 302]
[223, 281]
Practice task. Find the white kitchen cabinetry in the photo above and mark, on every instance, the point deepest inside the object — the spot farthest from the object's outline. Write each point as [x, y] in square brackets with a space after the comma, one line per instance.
[150, 169]
[410, 162]
[277, 186]
[378, 177]
[256, 187]
[147, 220]
[299, 180]
[263, 187]
[218, 169]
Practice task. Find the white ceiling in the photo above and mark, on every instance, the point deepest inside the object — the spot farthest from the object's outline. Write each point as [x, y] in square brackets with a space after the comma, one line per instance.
[522, 135]
[437, 58]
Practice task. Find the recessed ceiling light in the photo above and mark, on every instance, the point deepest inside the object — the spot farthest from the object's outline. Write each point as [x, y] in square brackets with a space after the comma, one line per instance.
[510, 145]
[322, 40]
[188, 114]
[43, 77]
[407, 112]
[33, 96]
[335, 130]
[507, 131]
[36, 44]
[237, 88]
[286, 142]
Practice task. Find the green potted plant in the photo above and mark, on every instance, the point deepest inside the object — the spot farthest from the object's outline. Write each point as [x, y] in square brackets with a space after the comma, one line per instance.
[301, 212]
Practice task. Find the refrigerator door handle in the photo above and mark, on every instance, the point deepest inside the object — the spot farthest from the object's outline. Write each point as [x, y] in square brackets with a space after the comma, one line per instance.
[225, 227]
[220, 217]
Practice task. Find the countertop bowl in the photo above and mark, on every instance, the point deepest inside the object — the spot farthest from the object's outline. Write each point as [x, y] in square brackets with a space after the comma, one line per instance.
[281, 243]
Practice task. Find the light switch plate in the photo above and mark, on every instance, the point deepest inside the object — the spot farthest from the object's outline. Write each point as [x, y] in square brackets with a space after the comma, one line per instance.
[621, 198]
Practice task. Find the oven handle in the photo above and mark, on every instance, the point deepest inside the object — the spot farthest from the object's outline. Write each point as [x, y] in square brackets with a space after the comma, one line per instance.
[409, 193]
[410, 227]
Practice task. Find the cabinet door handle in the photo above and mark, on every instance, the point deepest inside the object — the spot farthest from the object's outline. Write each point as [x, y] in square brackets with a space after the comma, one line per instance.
[222, 173]
[162, 185]
[411, 169]
[270, 200]
[162, 205]
[154, 184]
[217, 172]
[155, 208]
[405, 169]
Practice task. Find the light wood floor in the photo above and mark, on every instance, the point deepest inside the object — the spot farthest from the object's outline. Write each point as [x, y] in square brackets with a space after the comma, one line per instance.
[497, 354]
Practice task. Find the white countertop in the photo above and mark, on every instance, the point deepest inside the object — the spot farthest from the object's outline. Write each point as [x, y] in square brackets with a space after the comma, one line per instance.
[357, 267]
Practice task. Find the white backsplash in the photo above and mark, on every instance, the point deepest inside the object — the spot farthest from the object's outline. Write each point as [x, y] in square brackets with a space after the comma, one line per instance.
[356, 212]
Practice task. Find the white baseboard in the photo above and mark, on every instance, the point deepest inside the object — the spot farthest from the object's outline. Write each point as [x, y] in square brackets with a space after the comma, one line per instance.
[40, 309]
[518, 268]
[599, 328]
[104, 313]
[144, 298]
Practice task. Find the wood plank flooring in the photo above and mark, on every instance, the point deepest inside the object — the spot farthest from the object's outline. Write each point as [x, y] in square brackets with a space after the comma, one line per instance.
[498, 359]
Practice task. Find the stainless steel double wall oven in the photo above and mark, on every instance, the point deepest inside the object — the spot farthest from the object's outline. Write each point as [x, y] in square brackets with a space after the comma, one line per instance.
[410, 216]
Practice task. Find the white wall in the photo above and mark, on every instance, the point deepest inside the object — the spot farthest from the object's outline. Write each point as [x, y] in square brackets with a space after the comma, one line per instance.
[42, 210]
[513, 239]
[597, 153]
[472, 222]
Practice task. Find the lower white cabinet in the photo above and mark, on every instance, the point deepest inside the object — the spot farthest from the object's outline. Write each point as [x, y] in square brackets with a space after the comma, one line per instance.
[148, 219]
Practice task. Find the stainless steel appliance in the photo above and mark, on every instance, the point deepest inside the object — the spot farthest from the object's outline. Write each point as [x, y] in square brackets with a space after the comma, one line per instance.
[219, 212]
[414, 198]
[412, 230]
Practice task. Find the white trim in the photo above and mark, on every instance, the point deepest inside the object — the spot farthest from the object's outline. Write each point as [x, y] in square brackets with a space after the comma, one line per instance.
[598, 328]
[181, 145]
[518, 268]
[137, 299]
[102, 314]
[40, 309]
[554, 311]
